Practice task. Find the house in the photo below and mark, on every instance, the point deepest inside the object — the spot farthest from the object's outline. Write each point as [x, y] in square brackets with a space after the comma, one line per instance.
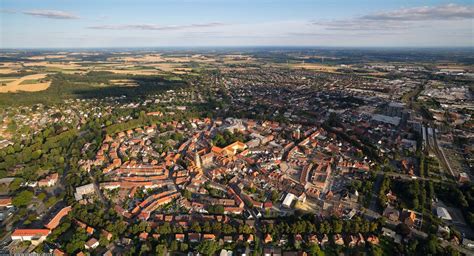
[391, 213]
[463, 178]
[6, 202]
[106, 234]
[83, 190]
[194, 237]
[209, 237]
[272, 251]
[298, 238]
[443, 213]
[225, 252]
[57, 252]
[338, 239]
[90, 230]
[283, 240]
[391, 197]
[268, 239]
[289, 198]
[313, 239]
[324, 240]
[91, 244]
[228, 239]
[373, 239]
[143, 236]
[250, 239]
[49, 181]
[36, 236]
[351, 241]
[360, 240]
[443, 230]
[54, 222]
[267, 205]
[390, 233]
[179, 237]
[409, 218]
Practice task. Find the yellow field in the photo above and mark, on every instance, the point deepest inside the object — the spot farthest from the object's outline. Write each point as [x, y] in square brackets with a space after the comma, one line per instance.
[147, 72]
[6, 70]
[314, 66]
[124, 82]
[16, 86]
[64, 65]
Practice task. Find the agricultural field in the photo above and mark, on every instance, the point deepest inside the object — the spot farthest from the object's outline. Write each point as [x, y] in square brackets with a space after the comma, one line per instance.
[29, 83]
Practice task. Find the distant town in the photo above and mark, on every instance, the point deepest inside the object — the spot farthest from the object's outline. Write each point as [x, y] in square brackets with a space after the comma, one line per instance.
[236, 152]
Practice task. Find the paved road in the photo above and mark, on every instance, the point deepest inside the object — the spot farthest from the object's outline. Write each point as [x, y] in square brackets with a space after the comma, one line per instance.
[97, 189]
[375, 193]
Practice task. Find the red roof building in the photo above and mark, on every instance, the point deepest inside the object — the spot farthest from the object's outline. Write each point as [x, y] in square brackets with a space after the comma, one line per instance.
[54, 222]
[34, 235]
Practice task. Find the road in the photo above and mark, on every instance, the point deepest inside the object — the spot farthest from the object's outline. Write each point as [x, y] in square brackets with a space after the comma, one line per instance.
[375, 193]
[97, 189]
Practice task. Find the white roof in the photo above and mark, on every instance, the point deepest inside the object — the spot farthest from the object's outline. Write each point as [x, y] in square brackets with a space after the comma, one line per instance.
[288, 199]
[443, 213]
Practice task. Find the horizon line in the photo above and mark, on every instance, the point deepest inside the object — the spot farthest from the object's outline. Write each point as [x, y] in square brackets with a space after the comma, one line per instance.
[244, 46]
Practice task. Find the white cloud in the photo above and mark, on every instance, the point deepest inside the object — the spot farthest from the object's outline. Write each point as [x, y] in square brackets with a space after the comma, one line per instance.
[401, 18]
[442, 12]
[155, 26]
[51, 14]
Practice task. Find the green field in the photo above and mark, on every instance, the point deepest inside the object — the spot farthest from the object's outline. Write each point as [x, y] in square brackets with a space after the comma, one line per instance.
[31, 81]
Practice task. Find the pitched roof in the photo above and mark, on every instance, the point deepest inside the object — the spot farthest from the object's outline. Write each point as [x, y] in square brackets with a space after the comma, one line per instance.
[30, 232]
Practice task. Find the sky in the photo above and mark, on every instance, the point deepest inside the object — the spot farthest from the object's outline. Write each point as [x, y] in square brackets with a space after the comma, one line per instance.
[195, 23]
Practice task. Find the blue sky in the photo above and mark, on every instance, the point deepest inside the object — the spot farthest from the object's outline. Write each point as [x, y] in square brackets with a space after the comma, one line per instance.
[144, 23]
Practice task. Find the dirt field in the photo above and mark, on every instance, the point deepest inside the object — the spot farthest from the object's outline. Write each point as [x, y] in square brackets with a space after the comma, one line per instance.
[17, 85]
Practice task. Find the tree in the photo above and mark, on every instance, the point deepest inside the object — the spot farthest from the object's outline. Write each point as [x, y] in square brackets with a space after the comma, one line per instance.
[15, 184]
[314, 250]
[160, 249]
[275, 196]
[208, 247]
[42, 196]
[23, 198]
[375, 251]
[451, 251]
[187, 194]
[144, 249]
[174, 246]
[183, 247]
[432, 245]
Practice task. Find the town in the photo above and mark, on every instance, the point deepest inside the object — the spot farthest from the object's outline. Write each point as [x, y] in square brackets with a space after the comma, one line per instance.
[228, 159]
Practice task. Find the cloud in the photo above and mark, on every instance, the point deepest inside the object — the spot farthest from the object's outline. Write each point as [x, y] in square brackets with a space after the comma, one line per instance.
[401, 18]
[361, 24]
[155, 26]
[51, 14]
[442, 12]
